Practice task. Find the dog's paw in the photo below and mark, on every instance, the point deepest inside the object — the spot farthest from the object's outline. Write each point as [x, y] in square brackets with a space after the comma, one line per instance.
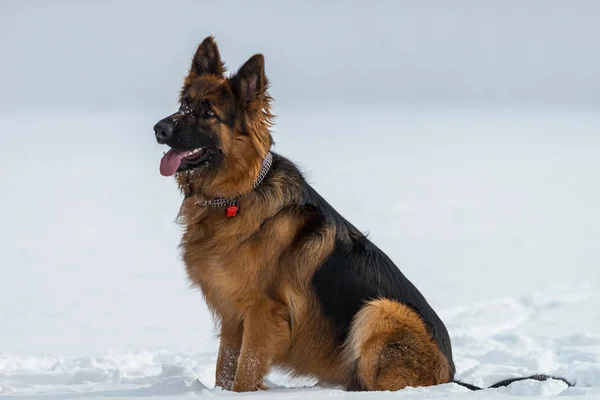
[237, 387]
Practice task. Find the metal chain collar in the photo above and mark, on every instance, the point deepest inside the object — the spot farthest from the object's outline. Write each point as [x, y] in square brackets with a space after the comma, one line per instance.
[229, 201]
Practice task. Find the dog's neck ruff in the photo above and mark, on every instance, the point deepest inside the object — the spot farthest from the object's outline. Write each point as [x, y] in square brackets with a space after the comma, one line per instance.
[233, 201]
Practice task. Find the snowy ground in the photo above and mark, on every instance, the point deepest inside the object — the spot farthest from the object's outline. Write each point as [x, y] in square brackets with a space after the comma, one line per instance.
[495, 216]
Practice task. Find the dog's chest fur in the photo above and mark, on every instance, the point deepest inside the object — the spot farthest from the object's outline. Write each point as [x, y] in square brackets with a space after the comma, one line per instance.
[233, 259]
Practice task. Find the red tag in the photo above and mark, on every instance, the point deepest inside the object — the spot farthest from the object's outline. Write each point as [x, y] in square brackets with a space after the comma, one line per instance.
[232, 211]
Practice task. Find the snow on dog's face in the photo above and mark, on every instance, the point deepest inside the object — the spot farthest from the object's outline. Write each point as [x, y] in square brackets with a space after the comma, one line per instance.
[222, 122]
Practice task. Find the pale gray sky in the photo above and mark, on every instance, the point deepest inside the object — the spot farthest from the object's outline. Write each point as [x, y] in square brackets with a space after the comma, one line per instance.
[121, 54]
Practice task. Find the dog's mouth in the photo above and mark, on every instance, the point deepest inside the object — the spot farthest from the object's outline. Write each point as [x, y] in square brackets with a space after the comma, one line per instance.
[174, 161]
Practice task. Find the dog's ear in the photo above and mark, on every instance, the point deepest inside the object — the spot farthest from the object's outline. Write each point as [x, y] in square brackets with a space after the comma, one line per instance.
[250, 83]
[207, 59]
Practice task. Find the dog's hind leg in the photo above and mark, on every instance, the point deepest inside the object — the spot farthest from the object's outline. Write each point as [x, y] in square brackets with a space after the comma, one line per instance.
[391, 348]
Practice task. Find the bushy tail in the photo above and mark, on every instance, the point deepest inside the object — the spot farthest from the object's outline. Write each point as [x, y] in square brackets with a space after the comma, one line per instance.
[506, 382]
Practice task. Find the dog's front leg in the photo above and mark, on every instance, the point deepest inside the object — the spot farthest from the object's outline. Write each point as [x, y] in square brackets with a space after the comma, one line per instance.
[266, 336]
[229, 352]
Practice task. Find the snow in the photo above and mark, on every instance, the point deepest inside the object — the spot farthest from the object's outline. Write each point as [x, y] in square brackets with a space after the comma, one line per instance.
[492, 214]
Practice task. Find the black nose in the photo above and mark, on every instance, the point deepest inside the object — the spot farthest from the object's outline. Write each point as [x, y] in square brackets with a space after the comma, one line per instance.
[164, 130]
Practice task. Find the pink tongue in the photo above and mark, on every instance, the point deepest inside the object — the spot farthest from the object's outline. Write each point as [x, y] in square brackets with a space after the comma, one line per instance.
[170, 162]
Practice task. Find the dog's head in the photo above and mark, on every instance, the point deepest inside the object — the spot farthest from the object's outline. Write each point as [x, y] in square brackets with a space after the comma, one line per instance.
[221, 133]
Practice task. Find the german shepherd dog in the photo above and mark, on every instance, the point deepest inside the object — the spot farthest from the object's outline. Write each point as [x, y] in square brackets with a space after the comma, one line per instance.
[291, 283]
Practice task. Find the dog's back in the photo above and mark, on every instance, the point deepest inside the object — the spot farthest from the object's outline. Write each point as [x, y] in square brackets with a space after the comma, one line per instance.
[375, 314]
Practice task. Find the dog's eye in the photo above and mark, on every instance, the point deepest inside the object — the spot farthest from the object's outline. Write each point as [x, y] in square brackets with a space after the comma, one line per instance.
[208, 113]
